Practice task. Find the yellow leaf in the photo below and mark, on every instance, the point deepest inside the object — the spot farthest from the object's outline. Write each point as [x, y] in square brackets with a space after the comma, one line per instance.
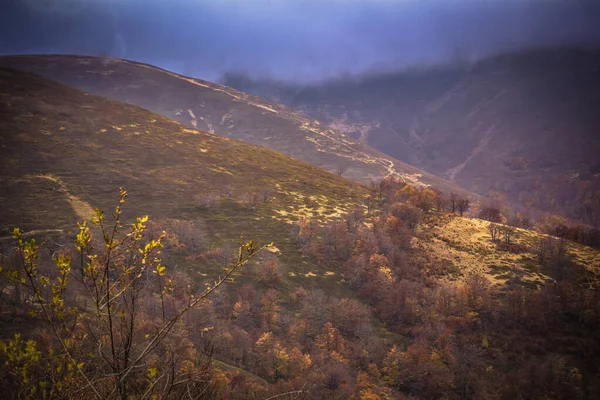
[484, 343]
[151, 373]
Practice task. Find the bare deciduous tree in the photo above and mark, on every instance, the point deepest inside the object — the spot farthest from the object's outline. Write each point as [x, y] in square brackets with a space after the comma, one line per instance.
[494, 230]
[462, 205]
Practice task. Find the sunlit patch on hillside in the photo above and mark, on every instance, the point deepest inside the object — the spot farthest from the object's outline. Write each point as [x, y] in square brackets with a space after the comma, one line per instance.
[219, 169]
[317, 207]
[464, 246]
[274, 249]
[265, 108]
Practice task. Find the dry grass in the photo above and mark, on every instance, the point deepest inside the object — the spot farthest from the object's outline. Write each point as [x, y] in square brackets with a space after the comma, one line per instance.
[465, 248]
[63, 152]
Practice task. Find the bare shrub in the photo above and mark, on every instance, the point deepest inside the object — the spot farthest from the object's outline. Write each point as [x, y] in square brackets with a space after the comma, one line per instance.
[206, 200]
[250, 200]
[181, 235]
[269, 270]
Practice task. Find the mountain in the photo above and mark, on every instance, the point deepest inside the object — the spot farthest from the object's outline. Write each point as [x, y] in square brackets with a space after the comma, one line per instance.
[524, 125]
[386, 300]
[226, 112]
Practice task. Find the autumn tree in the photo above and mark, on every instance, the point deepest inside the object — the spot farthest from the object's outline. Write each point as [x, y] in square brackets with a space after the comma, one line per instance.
[410, 215]
[440, 202]
[522, 221]
[269, 271]
[425, 199]
[354, 219]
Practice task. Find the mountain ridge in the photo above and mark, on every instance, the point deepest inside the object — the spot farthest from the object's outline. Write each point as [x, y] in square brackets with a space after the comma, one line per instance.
[201, 104]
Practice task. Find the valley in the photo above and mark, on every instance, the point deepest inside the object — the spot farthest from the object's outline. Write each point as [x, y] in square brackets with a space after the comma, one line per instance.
[520, 128]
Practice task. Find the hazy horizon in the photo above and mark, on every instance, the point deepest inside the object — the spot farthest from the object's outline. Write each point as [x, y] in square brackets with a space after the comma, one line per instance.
[299, 41]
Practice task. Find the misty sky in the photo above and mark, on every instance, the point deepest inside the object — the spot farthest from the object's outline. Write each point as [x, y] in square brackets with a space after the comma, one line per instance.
[296, 40]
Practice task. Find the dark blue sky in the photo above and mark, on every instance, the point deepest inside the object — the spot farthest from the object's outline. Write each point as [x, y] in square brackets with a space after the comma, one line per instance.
[300, 40]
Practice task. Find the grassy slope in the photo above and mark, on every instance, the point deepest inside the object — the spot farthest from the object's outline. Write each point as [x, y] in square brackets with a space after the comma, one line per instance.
[224, 111]
[63, 152]
[465, 247]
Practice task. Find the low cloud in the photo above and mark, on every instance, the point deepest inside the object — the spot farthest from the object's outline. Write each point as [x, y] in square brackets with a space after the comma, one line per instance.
[294, 40]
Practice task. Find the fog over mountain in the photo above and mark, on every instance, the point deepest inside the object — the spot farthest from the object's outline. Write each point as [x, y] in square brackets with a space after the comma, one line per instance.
[294, 40]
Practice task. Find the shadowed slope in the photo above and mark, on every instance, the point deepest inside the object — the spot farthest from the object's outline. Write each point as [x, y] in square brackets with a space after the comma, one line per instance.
[525, 125]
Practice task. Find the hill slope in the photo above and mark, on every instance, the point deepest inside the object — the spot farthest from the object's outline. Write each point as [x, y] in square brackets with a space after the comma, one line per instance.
[63, 152]
[225, 112]
[463, 247]
[523, 124]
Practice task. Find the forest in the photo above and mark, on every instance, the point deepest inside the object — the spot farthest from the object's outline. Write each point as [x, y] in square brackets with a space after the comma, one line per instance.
[118, 315]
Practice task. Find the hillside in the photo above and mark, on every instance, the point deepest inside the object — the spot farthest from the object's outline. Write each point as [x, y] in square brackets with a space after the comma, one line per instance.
[64, 152]
[224, 111]
[368, 292]
[463, 247]
[524, 125]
